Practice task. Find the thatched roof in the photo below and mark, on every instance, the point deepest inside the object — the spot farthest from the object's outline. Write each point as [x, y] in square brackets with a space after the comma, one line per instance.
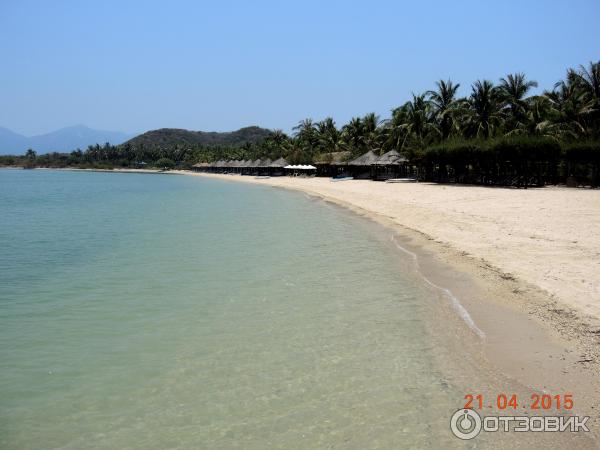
[219, 163]
[202, 164]
[279, 163]
[333, 158]
[368, 159]
[391, 158]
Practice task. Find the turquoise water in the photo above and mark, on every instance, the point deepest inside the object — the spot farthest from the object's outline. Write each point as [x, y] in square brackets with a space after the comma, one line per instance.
[163, 311]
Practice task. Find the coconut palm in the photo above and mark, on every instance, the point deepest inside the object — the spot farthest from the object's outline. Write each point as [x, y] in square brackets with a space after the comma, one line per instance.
[484, 114]
[571, 106]
[411, 126]
[353, 136]
[512, 92]
[329, 137]
[589, 80]
[394, 130]
[444, 103]
[419, 117]
[275, 144]
[540, 117]
[370, 127]
[305, 130]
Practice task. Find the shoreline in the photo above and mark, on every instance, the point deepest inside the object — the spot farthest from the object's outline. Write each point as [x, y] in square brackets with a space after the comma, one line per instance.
[530, 335]
[532, 339]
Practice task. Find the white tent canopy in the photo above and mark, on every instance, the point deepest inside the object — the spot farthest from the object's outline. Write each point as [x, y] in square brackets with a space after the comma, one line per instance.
[300, 167]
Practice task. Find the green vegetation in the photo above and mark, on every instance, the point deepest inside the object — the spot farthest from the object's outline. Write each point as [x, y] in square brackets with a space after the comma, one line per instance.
[165, 163]
[498, 134]
[168, 137]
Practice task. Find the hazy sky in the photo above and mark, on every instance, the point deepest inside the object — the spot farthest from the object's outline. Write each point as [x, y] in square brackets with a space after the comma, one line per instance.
[220, 65]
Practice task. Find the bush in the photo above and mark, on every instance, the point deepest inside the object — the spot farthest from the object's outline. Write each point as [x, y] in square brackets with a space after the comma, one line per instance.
[456, 153]
[165, 163]
[523, 150]
[583, 153]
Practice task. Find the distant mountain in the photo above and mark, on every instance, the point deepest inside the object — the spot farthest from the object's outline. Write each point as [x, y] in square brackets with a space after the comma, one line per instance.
[63, 140]
[166, 137]
[11, 142]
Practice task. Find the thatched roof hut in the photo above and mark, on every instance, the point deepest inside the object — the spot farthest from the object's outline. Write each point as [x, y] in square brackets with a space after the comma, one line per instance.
[391, 158]
[332, 158]
[201, 165]
[368, 159]
[279, 163]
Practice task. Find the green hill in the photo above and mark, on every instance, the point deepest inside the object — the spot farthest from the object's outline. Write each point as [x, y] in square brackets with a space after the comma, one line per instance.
[167, 137]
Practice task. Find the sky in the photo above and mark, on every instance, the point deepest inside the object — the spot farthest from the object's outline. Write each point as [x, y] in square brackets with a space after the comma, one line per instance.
[133, 66]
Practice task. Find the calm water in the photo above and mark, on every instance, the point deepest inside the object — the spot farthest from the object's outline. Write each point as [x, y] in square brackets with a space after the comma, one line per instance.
[162, 311]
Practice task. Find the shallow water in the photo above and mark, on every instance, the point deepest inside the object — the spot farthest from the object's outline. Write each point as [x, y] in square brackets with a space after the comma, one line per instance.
[153, 311]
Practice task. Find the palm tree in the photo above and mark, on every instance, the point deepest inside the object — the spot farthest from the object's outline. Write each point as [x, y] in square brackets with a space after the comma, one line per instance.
[512, 92]
[306, 138]
[540, 117]
[329, 137]
[353, 135]
[570, 105]
[278, 138]
[589, 80]
[305, 130]
[30, 154]
[484, 113]
[370, 122]
[444, 103]
[419, 117]
[275, 144]
[411, 126]
[394, 129]
[370, 126]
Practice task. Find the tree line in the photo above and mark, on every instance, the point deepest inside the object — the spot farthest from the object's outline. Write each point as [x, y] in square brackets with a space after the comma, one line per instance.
[555, 132]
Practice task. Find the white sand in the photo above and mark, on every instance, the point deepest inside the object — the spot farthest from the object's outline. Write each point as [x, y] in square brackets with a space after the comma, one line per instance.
[548, 237]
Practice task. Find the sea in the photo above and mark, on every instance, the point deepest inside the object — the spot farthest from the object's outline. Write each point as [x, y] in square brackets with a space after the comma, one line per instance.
[153, 311]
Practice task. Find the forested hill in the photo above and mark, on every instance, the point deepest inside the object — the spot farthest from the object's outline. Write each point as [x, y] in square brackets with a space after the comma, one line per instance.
[168, 137]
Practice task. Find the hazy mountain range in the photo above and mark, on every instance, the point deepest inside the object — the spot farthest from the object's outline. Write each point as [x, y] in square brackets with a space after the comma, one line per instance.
[63, 140]
[80, 136]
